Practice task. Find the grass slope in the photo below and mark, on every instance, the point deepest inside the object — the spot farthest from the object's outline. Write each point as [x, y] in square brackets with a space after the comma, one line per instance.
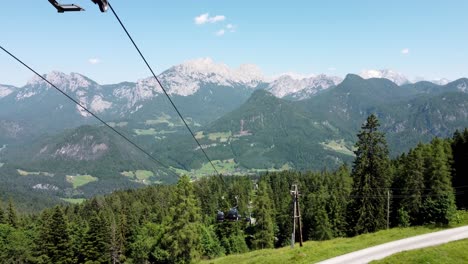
[314, 251]
[454, 252]
[80, 180]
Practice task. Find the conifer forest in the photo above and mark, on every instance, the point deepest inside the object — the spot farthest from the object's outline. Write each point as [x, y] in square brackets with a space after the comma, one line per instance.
[179, 223]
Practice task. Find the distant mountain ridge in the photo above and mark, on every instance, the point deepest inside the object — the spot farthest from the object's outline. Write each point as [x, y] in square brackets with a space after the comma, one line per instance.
[187, 78]
[242, 125]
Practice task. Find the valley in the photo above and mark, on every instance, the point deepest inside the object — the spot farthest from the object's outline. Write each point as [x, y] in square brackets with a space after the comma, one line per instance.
[243, 127]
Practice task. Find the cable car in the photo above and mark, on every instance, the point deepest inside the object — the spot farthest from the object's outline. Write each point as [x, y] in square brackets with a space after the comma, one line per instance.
[220, 216]
[65, 8]
[233, 214]
[103, 6]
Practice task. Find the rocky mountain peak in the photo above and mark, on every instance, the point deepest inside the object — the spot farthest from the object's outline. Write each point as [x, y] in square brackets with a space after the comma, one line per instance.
[391, 75]
[70, 82]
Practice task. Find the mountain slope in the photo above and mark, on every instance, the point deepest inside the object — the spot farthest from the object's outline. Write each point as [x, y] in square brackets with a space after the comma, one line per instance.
[83, 162]
[266, 133]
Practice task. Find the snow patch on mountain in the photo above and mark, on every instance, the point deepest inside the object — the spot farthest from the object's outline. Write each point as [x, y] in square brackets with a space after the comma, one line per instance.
[185, 79]
[99, 105]
[441, 81]
[393, 76]
[463, 87]
[5, 91]
[70, 82]
[301, 88]
[84, 102]
[25, 94]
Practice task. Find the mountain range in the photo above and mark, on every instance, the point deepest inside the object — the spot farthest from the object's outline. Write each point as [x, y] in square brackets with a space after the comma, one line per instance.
[246, 123]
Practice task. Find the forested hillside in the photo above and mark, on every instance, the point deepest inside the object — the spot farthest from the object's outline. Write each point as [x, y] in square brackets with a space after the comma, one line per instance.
[242, 127]
[178, 224]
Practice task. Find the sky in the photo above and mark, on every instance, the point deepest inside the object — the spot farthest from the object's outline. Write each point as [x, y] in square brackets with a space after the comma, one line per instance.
[418, 38]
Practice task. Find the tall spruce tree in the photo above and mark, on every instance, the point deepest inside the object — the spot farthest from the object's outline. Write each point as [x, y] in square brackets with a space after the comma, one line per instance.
[439, 202]
[2, 215]
[339, 188]
[96, 244]
[460, 166]
[55, 240]
[264, 230]
[412, 186]
[321, 228]
[371, 178]
[12, 218]
[182, 237]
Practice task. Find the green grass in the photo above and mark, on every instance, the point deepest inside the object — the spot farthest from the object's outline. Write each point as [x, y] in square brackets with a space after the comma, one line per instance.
[80, 180]
[226, 167]
[141, 176]
[146, 132]
[29, 173]
[129, 174]
[163, 119]
[314, 251]
[121, 124]
[152, 132]
[338, 146]
[454, 252]
[223, 167]
[73, 201]
[199, 135]
[222, 136]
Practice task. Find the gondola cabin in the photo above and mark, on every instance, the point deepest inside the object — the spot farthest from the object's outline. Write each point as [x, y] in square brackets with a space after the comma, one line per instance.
[65, 8]
[220, 216]
[233, 215]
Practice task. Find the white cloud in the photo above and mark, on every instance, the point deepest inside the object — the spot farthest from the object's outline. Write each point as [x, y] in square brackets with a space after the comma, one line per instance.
[217, 19]
[332, 69]
[94, 61]
[231, 27]
[405, 51]
[220, 33]
[205, 18]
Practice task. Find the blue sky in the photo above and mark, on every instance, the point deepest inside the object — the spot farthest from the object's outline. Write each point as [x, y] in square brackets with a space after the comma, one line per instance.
[418, 38]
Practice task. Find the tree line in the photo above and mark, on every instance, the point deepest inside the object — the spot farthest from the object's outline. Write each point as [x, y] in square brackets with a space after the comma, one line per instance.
[178, 224]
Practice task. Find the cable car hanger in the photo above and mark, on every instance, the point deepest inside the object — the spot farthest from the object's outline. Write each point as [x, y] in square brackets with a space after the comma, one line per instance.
[62, 8]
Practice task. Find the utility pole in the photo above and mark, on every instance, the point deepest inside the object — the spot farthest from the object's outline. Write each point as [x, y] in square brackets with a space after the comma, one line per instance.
[388, 209]
[296, 216]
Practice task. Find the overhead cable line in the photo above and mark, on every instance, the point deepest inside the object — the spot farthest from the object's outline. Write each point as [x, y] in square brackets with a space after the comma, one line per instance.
[165, 91]
[90, 112]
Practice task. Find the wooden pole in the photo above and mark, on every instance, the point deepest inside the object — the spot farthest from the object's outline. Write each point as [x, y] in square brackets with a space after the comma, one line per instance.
[388, 209]
[299, 217]
[293, 236]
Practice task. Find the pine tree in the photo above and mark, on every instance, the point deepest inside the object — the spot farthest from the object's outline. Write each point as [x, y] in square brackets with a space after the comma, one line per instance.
[339, 188]
[439, 202]
[96, 241]
[182, 237]
[2, 215]
[12, 218]
[116, 242]
[460, 166]
[211, 247]
[55, 240]
[412, 189]
[321, 226]
[264, 230]
[371, 178]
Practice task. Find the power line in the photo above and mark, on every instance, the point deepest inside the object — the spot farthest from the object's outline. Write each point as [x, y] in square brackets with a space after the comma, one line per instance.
[393, 189]
[89, 112]
[164, 90]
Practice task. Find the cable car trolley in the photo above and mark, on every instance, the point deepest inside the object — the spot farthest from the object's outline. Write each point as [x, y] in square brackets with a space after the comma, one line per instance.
[62, 8]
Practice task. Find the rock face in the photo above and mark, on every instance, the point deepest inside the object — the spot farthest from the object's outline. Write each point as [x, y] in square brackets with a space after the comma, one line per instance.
[300, 88]
[393, 76]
